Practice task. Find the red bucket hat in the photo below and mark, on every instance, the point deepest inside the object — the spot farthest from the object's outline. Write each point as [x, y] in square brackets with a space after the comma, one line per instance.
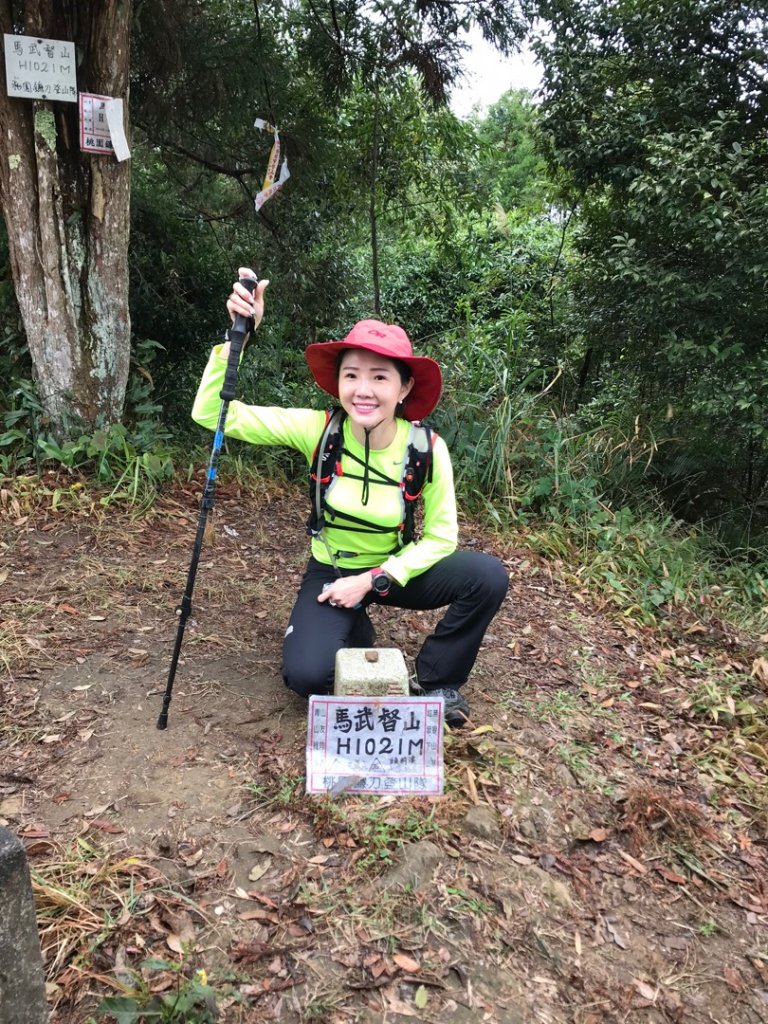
[387, 340]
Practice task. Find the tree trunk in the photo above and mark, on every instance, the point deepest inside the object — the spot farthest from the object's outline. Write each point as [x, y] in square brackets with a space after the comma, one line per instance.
[372, 204]
[67, 216]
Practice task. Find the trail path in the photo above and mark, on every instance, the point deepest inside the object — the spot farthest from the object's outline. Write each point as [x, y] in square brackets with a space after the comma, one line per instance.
[599, 854]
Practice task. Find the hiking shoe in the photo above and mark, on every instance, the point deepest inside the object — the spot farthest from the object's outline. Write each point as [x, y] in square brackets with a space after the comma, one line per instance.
[362, 633]
[455, 707]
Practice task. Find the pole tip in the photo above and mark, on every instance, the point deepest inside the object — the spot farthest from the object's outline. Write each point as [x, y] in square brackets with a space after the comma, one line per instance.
[162, 722]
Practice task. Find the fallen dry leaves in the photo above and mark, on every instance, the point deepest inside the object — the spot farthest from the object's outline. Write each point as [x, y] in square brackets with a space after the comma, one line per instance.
[589, 764]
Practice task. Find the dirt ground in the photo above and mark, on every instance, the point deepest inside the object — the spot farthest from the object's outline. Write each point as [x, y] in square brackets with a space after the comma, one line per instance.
[599, 854]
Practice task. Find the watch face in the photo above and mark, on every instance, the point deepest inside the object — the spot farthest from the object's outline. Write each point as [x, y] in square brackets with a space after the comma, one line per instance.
[380, 583]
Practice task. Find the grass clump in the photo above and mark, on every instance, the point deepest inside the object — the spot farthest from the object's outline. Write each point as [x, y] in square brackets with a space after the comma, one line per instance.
[376, 832]
[657, 818]
[189, 1000]
[84, 897]
[579, 497]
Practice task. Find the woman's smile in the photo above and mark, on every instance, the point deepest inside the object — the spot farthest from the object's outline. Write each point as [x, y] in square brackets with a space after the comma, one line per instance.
[365, 408]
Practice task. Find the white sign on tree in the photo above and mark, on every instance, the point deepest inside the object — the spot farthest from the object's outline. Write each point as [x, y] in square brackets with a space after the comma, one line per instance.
[40, 69]
[101, 126]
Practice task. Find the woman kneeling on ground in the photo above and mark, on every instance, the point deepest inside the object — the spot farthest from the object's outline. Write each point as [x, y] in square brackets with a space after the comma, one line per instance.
[356, 559]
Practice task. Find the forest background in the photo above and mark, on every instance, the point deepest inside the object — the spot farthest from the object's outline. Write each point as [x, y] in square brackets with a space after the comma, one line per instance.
[587, 264]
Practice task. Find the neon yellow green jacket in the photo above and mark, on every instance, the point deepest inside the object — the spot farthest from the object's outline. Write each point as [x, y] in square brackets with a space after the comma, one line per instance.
[301, 429]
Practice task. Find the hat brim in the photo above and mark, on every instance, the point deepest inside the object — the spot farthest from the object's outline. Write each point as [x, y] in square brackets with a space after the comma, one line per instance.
[322, 358]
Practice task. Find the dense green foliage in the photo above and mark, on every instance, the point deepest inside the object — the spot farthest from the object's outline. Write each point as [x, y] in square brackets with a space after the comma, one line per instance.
[654, 122]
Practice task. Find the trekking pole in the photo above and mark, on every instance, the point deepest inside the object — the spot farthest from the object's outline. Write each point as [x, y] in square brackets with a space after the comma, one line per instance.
[237, 335]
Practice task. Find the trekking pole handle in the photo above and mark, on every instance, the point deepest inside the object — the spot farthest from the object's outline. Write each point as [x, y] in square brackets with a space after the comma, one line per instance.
[239, 331]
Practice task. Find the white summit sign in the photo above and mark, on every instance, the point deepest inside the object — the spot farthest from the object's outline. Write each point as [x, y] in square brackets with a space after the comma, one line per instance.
[375, 745]
[40, 69]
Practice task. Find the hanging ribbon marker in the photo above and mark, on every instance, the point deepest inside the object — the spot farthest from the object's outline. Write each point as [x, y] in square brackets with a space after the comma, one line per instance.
[272, 183]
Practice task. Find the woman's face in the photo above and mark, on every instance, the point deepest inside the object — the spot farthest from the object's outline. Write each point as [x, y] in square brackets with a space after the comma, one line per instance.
[370, 387]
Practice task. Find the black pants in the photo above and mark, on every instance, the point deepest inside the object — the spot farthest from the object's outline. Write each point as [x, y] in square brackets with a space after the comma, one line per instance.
[471, 583]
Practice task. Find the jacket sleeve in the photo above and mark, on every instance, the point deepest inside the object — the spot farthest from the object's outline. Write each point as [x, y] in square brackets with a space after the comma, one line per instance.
[257, 424]
[440, 527]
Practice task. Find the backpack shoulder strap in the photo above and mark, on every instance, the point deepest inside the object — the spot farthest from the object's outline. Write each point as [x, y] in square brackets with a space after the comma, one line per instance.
[326, 463]
[417, 470]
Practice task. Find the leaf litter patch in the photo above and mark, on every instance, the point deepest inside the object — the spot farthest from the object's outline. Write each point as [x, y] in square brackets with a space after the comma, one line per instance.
[599, 853]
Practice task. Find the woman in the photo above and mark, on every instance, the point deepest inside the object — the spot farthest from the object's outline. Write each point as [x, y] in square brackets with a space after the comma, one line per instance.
[356, 558]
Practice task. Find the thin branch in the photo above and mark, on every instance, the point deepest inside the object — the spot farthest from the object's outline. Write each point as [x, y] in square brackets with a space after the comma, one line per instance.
[336, 41]
[179, 150]
[261, 60]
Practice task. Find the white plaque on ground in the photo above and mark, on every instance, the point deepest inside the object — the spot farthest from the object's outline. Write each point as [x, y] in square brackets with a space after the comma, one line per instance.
[40, 69]
[375, 745]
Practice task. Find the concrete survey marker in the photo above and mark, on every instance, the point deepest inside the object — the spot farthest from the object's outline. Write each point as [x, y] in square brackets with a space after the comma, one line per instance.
[375, 745]
[370, 672]
[22, 986]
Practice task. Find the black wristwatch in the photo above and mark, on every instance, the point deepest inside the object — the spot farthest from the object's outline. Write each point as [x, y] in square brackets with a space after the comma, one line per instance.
[380, 582]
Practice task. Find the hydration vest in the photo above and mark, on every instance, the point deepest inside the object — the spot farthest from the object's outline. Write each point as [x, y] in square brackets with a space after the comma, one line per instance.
[326, 466]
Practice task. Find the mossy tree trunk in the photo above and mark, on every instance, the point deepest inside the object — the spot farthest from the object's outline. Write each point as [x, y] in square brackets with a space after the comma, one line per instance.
[67, 217]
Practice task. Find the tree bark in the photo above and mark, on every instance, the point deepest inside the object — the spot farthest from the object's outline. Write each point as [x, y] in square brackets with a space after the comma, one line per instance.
[372, 204]
[67, 217]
